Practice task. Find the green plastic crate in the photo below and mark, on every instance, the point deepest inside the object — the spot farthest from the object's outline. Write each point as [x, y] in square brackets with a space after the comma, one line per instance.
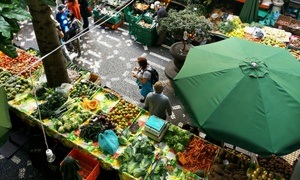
[146, 36]
[114, 20]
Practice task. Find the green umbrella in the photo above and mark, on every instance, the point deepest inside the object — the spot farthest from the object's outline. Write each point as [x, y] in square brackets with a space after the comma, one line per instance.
[243, 93]
[5, 123]
[249, 12]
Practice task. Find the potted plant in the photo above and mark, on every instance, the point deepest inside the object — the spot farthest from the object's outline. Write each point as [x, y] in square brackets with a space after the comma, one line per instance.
[186, 26]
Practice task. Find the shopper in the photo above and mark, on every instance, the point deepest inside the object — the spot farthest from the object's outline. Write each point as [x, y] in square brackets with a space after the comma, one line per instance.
[157, 103]
[85, 13]
[75, 27]
[160, 12]
[61, 17]
[73, 7]
[143, 77]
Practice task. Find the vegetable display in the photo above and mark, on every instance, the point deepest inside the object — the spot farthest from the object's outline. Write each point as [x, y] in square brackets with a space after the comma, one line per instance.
[137, 157]
[71, 119]
[198, 155]
[177, 138]
[48, 108]
[97, 124]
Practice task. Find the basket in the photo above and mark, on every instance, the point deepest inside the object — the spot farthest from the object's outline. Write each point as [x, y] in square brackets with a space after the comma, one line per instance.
[283, 22]
[90, 167]
[95, 78]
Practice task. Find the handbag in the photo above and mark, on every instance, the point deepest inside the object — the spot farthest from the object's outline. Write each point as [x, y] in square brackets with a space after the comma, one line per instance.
[108, 141]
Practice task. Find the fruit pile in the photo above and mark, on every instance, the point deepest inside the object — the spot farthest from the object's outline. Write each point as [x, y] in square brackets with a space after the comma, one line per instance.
[20, 65]
[123, 114]
[84, 89]
[13, 85]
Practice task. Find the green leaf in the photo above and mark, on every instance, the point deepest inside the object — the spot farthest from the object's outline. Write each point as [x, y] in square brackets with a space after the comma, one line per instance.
[5, 28]
[7, 47]
[14, 11]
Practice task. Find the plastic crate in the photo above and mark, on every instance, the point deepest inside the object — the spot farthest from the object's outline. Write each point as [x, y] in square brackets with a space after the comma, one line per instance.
[146, 36]
[89, 167]
[133, 17]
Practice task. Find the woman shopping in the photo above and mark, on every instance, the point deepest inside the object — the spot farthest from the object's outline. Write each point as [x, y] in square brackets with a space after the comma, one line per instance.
[143, 75]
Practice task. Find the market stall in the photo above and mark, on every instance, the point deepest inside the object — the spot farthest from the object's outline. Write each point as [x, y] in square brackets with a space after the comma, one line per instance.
[76, 113]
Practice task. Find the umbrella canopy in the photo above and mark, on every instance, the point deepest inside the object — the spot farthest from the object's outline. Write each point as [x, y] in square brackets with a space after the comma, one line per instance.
[243, 93]
[5, 123]
[249, 12]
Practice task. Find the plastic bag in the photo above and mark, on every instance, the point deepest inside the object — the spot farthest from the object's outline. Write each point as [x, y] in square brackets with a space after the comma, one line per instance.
[108, 141]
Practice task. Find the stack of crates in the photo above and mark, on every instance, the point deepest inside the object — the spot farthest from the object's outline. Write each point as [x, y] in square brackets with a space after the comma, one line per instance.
[144, 35]
[132, 17]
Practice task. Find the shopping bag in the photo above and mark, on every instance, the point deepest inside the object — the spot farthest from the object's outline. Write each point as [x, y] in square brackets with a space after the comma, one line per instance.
[108, 141]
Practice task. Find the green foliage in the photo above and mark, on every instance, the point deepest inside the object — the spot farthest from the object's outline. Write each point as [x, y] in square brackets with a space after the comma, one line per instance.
[225, 26]
[194, 22]
[12, 12]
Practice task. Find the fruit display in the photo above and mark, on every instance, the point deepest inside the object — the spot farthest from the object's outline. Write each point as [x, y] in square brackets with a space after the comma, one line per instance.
[13, 85]
[276, 164]
[198, 155]
[295, 53]
[272, 41]
[237, 32]
[229, 165]
[123, 114]
[294, 42]
[97, 124]
[177, 138]
[277, 34]
[256, 172]
[20, 65]
[84, 88]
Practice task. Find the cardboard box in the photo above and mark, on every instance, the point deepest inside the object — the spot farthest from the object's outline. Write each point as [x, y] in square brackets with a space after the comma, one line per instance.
[283, 22]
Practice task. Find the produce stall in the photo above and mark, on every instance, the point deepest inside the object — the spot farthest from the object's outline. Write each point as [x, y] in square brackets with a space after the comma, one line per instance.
[76, 113]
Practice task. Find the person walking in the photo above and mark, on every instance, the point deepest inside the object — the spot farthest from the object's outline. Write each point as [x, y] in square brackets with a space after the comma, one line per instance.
[61, 17]
[157, 103]
[73, 7]
[75, 27]
[143, 76]
[160, 12]
[84, 12]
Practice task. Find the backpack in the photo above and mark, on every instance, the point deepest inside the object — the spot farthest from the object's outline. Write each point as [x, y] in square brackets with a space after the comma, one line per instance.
[154, 75]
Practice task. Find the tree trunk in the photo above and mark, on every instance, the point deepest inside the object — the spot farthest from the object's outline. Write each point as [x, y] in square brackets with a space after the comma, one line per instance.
[47, 40]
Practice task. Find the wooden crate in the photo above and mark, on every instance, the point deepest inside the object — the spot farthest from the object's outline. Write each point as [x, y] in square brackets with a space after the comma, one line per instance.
[283, 22]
